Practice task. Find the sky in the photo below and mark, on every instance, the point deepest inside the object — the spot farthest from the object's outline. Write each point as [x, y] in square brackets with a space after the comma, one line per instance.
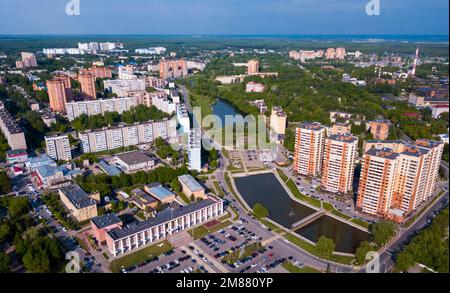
[347, 17]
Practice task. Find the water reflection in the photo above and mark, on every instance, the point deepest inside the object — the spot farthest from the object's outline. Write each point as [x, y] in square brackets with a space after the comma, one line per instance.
[265, 189]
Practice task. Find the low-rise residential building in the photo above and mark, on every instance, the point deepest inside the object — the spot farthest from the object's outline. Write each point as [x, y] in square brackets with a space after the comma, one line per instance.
[80, 205]
[135, 161]
[191, 187]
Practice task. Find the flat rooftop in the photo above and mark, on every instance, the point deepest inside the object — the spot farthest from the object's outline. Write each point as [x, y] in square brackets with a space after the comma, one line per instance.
[159, 191]
[106, 220]
[134, 157]
[190, 182]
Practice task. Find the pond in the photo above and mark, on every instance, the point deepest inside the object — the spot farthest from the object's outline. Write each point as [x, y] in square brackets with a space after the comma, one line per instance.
[267, 190]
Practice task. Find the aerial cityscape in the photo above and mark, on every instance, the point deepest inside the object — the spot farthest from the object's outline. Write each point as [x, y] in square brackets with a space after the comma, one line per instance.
[223, 152]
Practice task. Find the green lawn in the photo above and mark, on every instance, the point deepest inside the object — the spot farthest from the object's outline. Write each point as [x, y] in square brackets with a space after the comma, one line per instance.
[282, 175]
[293, 188]
[140, 255]
[361, 223]
[218, 189]
[312, 249]
[294, 269]
[202, 231]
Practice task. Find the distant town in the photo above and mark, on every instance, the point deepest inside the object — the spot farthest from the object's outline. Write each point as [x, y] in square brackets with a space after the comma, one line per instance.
[102, 154]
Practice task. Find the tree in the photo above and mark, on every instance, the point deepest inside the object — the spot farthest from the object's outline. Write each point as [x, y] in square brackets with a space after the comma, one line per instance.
[5, 263]
[382, 231]
[325, 246]
[260, 210]
[5, 183]
[404, 261]
[18, 206]
[362, 250]
[175, 185]
[43, 256]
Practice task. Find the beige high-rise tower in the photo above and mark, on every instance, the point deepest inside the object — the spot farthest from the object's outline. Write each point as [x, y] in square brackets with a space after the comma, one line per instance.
[339, 163]
[308, 151]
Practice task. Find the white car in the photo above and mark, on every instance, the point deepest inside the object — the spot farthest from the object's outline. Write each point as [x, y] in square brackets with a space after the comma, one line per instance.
[195, 251]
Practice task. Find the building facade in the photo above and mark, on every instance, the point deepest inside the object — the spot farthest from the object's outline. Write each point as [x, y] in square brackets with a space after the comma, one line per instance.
[396, 178]
[87, 84]
[13, 133]
[81, 206]
[100, 106]
[134, 237]
[109, 138]
[340, 154]
[172, 69]
[58, 147]
[309, 147]
[252, 67]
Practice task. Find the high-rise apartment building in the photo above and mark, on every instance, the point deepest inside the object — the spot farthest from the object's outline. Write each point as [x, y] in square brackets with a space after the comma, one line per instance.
[58, 147]
[252, 67]
[396, 177]
[194, 150]
[87, 83]
[339, 159]
[278, 122]
[59, 92]
[309, 146]
[28, 59]
[172, 68]
[340, 53]
[330, 53]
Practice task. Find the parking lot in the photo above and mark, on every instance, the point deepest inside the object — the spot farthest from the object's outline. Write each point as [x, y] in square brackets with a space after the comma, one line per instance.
[174, 261]
[230, 244]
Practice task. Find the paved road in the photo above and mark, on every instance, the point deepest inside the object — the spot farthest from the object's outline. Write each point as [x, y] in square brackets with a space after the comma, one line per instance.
[387, 257]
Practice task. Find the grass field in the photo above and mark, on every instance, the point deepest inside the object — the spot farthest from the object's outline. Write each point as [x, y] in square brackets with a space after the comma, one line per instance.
[313, 250]
[294, 269]
[139, 256]
[202, 231]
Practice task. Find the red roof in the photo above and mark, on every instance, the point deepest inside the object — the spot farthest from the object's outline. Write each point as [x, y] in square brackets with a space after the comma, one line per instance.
[440, 106]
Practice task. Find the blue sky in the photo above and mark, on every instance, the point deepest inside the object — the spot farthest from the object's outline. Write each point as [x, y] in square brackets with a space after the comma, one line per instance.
[224, 17]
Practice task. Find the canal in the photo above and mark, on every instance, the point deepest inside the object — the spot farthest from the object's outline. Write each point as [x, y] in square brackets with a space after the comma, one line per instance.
[267, 190]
